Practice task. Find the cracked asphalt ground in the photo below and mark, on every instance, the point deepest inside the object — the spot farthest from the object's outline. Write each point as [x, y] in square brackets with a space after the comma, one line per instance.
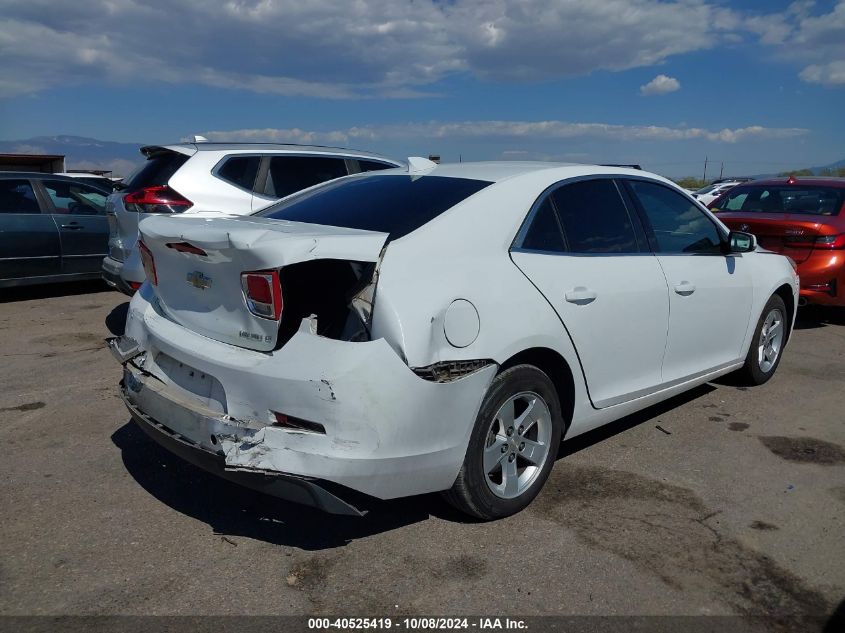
[734, 505]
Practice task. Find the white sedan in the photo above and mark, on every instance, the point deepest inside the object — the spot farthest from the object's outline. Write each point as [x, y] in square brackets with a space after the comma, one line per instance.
[439, 327]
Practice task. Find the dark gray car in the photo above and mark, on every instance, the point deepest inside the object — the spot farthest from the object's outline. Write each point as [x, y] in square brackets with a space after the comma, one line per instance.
[52, 228]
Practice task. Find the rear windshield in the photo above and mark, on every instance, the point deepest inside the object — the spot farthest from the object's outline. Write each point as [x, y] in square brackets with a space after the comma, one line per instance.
[810, 200]
[155, 172]
[395, 205]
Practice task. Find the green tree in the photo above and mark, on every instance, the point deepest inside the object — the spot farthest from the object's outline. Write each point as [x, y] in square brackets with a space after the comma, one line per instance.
[690, 182]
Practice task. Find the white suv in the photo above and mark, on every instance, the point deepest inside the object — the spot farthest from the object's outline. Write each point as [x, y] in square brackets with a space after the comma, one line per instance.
[203, 177]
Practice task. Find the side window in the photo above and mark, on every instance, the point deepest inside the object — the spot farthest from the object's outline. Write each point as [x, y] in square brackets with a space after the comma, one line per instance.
[17, 196]
[594, 218]
[679, 226]
[240, 171]
[544, 234]
[372, 165]
[289, 174]
[75, 198]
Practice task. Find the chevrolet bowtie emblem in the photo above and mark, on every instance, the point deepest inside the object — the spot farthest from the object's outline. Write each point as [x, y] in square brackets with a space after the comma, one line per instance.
[198, 280]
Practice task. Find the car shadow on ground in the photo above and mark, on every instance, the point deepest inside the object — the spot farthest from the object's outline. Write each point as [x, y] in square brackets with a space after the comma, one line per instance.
[46, 291]
[810, 317]
[579, 443]
[116, 319]
[232, 510]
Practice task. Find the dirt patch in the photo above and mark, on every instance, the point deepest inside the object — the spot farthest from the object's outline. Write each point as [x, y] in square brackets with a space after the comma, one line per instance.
[737, 426]
[763, 526]
[669, 532]
[715, 418]
[29, 406]
[838, 492]
[69, 343]
[311, 573]
[805, 450]
[464, 567]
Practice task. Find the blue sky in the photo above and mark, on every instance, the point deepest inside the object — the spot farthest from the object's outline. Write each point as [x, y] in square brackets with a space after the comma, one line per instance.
[758, 85]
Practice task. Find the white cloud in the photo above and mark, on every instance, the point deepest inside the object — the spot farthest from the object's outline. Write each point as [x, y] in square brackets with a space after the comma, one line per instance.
[660, 85]
[830, 74]
[531, 130]
[815, 40]
[382, 48]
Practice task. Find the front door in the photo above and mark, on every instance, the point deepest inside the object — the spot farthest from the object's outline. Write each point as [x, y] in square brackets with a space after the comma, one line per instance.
[587, 253]
[710, 292]
[79, 211]
[29, 241]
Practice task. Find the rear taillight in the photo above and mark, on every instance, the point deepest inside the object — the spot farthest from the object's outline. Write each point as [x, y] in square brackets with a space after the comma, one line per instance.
[833, 242]
[826, 242]
[148, 262]
[160, 199]
[263, 293]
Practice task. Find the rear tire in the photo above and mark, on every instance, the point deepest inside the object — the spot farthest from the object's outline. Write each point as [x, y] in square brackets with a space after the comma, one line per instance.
[513, 445]
[767, 343]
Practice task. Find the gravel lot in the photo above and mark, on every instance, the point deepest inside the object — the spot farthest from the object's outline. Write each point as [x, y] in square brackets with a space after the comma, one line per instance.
[724, 501]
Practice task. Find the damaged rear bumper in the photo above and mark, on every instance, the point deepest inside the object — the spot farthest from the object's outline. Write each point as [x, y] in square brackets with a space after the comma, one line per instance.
[387, 432]
[309, 492]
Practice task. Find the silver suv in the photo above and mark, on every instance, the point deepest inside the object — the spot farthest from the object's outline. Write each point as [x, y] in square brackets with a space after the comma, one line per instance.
[204, 177]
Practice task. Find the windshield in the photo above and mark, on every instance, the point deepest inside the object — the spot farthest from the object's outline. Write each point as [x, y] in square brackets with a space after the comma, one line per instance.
[396, 204]
[810, 200]
[705, 190]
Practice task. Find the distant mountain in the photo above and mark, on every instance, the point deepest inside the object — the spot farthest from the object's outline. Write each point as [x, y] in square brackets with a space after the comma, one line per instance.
[80, 152]
[816, 170]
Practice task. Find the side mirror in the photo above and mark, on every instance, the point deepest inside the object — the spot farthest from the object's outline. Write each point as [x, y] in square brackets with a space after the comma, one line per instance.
[739, 242]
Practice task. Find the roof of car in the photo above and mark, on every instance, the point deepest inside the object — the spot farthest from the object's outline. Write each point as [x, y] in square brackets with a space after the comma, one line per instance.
[6, 175]
[801, 180]
[211, 146]
[496, 171]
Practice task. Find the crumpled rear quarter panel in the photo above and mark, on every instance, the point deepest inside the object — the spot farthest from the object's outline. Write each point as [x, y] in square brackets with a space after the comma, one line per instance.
[389, 433]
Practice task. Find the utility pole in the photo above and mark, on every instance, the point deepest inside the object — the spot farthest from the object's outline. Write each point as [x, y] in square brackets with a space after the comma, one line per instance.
[704, 178]
[721, 170]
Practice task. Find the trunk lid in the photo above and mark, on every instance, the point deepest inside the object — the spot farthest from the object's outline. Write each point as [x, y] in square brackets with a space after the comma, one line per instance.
[785, 233]
[204, 292]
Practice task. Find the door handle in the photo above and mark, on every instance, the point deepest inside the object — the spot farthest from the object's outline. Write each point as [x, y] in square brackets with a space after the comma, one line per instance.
[685, 288]
[581, 295]
[73, 226]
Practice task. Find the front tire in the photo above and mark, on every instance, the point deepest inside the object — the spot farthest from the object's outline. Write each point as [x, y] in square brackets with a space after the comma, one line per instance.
[766, 348]
[512, 447]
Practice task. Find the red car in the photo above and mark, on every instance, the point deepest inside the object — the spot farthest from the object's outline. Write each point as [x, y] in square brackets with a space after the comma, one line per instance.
[803, 218]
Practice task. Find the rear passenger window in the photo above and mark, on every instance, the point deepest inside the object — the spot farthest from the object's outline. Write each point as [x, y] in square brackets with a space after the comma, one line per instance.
[17, 196]
[372, 165]
[679, 225]
[75, 198]
[289, 174]
[240, 171]
[594, 218]
[156, 171]
[544, 233]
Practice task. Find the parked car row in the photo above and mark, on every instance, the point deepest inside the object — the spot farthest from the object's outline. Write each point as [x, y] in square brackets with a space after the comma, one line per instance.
[333, 326]
[438, 328]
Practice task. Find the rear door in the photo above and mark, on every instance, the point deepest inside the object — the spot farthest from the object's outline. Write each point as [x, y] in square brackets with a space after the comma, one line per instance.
[586, 251]
[79, 212]
[710, 293]
[29, 240]
[283, 175]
